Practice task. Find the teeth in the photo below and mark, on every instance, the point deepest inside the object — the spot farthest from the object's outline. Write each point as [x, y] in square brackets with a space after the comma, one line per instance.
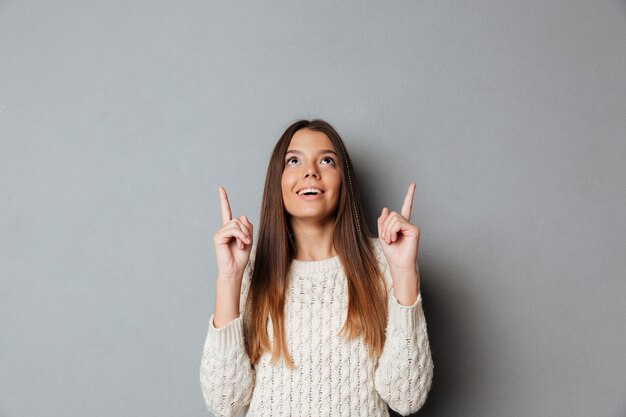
[312, 190]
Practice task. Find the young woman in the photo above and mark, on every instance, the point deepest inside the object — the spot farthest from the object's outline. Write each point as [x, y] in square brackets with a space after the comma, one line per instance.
[319, 317]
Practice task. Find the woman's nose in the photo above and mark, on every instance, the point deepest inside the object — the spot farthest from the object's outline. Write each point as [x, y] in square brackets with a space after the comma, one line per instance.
[310, 172]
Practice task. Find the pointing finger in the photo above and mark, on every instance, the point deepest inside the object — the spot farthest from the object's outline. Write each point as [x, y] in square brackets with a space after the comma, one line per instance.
[408, 202]
[380, 222]
[225, 206]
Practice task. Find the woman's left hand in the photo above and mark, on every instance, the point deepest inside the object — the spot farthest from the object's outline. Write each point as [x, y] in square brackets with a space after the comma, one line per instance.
[400, 238]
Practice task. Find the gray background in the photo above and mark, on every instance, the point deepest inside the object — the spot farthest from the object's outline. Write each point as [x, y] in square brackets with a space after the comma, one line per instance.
[119, 120]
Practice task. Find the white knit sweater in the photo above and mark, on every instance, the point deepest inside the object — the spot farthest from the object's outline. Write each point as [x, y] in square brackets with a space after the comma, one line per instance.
[333, 377]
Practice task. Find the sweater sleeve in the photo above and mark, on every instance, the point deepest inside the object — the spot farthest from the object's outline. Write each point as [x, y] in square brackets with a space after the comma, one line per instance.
[226, 376]
[404, 372]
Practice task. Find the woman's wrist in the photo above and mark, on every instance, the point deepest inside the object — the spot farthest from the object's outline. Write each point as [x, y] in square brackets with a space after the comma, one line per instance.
[405, 286]
[226, 302]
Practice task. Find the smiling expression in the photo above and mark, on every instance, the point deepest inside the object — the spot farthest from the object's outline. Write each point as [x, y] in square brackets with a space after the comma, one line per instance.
[311, 163]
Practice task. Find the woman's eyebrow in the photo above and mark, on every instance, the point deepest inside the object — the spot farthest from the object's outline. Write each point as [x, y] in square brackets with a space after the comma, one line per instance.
[320, 152]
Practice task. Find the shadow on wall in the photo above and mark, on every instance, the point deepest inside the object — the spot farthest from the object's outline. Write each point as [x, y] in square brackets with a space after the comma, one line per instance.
[449, 314]
[452, 318]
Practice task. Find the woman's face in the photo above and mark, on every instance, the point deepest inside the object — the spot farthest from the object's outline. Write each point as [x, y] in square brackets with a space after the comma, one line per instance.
[311, 162]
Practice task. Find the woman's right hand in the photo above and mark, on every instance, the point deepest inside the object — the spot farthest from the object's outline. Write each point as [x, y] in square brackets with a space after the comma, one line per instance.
[233, 242]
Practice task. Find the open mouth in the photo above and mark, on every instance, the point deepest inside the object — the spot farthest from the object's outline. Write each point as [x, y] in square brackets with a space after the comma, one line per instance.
[310, 192]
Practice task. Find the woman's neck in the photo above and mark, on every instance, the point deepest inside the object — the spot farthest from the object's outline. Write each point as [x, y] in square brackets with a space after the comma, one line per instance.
[313, 242]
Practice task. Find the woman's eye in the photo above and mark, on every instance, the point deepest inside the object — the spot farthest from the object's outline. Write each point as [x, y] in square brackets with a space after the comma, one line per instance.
[289, 159]
[330, 159]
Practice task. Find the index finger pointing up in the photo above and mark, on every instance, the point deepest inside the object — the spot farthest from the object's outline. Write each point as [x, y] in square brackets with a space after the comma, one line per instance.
[225, 206]
[408, 202]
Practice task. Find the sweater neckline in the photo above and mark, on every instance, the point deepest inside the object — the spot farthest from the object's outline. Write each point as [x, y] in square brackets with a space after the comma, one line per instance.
[312, 267]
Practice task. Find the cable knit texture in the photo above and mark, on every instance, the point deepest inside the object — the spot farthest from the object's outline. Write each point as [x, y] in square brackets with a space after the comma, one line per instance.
[334, 377]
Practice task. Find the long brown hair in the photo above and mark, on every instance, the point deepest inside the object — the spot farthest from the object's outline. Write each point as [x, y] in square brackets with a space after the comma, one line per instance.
[269, 283]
